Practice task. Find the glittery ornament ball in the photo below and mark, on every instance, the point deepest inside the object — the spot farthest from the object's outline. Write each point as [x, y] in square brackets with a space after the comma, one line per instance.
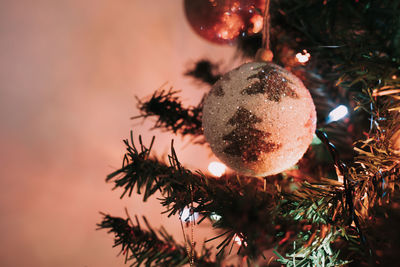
[259, 119]
[221, 21]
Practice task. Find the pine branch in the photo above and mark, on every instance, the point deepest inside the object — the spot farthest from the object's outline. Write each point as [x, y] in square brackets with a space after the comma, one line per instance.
[366, 61]
[150, 247]
[204, 71]
[319, 219]
[327, 210]
[320, 254]
[170, 113]
[245, 210]
[324, 237]
[137, 160]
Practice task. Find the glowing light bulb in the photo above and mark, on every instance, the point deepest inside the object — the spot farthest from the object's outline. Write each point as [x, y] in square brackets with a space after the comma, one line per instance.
[303, 57]
[216, 168]
[186, 215]
[338, 113]
[239, 241]
[215, 217]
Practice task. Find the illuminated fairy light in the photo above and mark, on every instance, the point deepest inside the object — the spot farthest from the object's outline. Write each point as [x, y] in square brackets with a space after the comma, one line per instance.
[338, 113]
[215, 217]
[217, 168]
[239, 240]
[303, 57]
[394, 77]
[186, 215]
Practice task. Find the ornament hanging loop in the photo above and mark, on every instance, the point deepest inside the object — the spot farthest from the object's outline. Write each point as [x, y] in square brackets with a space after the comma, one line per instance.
[265, 53]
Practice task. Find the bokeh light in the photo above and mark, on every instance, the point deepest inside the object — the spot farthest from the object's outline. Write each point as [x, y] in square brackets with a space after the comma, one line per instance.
[338, 113]
[217, 168]
[303, 57]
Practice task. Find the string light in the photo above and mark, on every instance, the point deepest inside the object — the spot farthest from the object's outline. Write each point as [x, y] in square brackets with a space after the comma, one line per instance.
[186, 215]
[217, 168]
[338, 113]
[215, 217]
[303, 57]
[239, 241]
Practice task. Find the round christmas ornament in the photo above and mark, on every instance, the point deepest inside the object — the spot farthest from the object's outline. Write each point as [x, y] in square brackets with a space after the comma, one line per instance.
[259, 119]
[221, 21]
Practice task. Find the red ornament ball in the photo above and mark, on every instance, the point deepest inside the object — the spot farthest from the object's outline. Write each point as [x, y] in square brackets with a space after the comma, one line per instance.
[259, 119]
[221, 21]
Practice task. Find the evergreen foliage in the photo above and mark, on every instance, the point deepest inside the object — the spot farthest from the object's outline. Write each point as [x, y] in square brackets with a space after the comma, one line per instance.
[310, 218]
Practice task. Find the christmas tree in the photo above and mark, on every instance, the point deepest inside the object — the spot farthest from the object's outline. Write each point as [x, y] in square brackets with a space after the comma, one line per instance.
[339, 205]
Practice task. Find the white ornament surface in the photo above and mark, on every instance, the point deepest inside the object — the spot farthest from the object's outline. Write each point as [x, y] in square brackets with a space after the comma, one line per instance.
[259, 119]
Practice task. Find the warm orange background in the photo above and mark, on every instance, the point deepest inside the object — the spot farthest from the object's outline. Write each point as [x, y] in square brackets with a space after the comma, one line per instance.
[69, 72]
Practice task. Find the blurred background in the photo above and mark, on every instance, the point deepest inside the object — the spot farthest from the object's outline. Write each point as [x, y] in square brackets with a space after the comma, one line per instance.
[69, 74]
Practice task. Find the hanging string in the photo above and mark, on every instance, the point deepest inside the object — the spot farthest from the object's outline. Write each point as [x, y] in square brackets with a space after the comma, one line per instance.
[265, 53]
[265, 34]
[192, 224]
[184, 236]
[190, 250]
